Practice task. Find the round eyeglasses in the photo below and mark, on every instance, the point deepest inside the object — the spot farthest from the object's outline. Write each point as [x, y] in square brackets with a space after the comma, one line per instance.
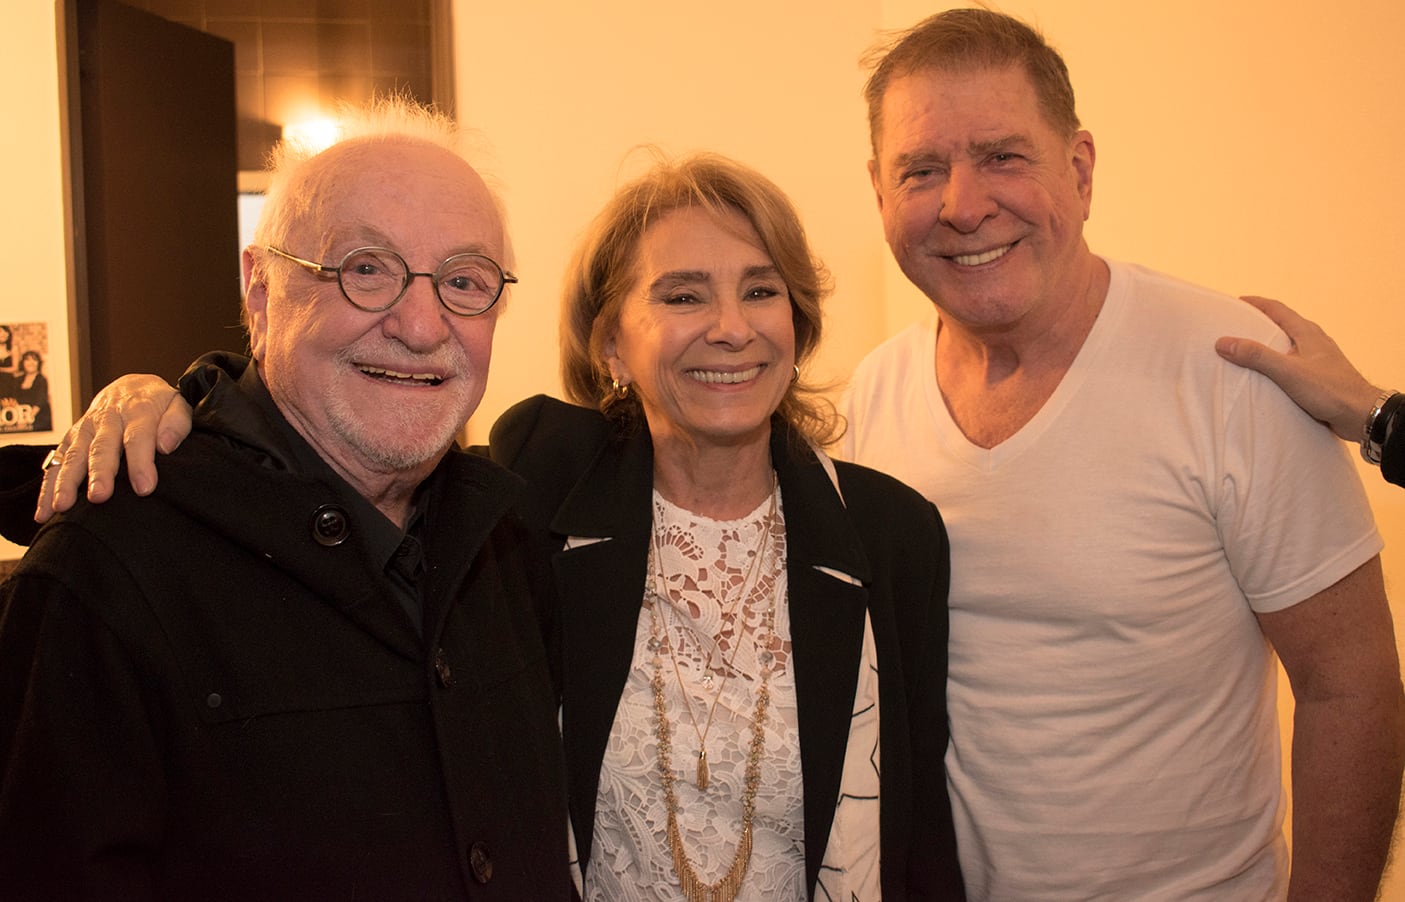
[375, 278]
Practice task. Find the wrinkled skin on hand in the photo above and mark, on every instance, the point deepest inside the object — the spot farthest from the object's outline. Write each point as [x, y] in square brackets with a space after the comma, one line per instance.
[136, 416]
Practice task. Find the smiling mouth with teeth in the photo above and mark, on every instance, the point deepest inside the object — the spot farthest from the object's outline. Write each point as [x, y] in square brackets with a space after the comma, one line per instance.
[401, 378]
[983, 257]
[714, 377]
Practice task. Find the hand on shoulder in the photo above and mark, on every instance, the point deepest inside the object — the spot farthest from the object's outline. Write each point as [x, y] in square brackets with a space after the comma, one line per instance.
[1314, 373]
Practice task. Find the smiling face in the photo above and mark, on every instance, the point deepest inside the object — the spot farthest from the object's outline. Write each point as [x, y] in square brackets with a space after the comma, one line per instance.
[983, 201]
[705, 335]
[376, 393]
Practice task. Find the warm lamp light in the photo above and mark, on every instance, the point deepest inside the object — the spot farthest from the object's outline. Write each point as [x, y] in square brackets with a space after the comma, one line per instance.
[312, 135]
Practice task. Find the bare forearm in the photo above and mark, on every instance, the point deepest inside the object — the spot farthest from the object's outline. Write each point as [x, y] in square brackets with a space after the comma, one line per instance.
[1347, 759]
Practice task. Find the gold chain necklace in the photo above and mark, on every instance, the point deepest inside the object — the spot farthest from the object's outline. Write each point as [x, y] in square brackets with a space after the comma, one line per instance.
[726, 888]
[703, 774]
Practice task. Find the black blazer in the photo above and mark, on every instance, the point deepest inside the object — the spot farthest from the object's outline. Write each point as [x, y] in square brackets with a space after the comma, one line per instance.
[585, 480]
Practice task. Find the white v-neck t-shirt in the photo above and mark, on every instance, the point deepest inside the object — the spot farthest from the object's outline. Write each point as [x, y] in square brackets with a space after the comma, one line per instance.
[1112, 697]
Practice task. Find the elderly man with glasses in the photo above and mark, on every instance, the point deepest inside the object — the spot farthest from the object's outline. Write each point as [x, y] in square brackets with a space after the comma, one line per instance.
[308, 667]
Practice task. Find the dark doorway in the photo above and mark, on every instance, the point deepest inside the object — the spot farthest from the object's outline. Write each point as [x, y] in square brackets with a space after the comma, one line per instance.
[151, 133]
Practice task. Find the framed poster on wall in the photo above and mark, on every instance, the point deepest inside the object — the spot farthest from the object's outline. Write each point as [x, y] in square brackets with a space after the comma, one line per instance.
[24, 389]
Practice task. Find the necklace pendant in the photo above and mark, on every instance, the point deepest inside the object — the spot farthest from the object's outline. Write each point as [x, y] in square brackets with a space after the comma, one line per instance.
[702, 770]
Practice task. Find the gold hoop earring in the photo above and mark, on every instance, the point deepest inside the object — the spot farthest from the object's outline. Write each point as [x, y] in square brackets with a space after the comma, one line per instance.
[795, 377]
[621, 391]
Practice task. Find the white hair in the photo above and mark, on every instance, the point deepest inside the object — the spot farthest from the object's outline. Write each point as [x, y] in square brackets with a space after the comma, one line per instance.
[390, 118]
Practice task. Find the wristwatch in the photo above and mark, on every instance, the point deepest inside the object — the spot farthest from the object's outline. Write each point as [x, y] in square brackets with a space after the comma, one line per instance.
[1379, 425]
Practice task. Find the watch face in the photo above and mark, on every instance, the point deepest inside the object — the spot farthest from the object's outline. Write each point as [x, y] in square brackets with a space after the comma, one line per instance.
[1379, 425]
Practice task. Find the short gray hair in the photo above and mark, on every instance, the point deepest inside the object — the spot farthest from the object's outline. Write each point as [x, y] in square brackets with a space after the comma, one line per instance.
[387, 119]
[963, 40]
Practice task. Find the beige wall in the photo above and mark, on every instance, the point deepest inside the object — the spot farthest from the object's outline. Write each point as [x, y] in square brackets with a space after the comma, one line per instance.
[32, 227]
[1249, 146]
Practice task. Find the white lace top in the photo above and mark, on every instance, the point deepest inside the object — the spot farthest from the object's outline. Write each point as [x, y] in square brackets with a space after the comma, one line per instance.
[706, 565]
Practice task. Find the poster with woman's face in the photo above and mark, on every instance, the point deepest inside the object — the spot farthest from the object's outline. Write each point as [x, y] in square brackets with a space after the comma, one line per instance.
[24, 390]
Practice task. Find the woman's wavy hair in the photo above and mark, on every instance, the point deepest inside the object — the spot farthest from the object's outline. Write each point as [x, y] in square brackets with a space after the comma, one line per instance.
[605, 268]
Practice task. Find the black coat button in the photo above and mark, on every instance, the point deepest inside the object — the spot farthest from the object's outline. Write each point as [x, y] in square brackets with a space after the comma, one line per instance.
[442, 669]
[480, 860]
[330, 525]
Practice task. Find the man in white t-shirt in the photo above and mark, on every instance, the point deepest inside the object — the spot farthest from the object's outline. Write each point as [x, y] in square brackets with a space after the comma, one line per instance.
[1137, 527]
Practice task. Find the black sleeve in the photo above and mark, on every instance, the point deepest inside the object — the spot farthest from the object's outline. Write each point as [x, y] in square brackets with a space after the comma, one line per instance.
[20, 479]
[1393, 448]
[200, 377]
[82, 794]
[20, 473]
[546, 442]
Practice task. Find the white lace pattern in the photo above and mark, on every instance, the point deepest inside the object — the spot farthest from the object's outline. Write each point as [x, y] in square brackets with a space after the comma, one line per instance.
[706, 564]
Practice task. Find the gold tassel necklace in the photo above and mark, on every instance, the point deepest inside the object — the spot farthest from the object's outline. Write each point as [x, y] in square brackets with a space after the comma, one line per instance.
[703, 774]
[726, 888]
